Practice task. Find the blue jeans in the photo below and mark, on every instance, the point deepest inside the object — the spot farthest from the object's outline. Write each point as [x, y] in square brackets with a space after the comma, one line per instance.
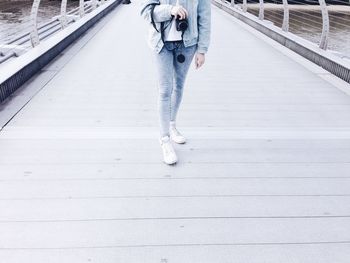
[171, 80]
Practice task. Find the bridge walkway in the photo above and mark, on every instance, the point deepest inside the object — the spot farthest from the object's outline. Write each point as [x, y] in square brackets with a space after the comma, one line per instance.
[264, 177]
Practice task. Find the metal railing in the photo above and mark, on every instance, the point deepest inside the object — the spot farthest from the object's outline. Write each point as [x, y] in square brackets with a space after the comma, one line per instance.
[35, 32]
[320, 22]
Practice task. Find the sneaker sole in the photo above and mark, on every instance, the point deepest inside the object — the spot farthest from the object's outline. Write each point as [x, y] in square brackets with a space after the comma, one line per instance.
[179, 142]
[170, 163]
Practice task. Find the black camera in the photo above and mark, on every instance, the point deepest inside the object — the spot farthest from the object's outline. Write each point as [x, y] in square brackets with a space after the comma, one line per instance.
[181, 25]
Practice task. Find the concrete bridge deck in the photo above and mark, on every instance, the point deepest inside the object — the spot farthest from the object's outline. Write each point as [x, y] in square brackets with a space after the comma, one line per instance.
[264, 177]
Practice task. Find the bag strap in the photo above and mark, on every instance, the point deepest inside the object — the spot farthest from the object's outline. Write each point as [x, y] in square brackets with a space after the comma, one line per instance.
[152, 14]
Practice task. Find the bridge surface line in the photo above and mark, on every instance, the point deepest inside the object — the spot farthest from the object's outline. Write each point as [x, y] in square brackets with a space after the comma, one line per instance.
[264, 177]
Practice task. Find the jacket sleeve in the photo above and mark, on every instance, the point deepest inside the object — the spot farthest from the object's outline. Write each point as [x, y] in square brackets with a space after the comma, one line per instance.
[161, 13]
[204, 25]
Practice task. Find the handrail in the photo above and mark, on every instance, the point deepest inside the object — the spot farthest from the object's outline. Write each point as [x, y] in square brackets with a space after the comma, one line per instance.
[302, 27]
[324, 38]
[37, 32]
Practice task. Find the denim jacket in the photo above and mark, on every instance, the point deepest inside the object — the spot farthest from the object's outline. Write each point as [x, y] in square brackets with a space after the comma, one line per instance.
[199, 20]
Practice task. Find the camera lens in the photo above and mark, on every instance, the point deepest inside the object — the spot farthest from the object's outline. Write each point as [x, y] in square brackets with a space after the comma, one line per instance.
[181, 25]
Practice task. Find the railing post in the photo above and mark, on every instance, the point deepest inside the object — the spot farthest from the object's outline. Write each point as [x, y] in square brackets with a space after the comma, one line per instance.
[233, 3]
[94, 4]
[244, 6]
[63, 18]
[325, 25]
[285, 25]
[81, 8]
[261, 9]
[34, 35]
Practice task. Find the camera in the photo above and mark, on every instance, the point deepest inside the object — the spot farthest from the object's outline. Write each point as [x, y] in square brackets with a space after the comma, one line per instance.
[181, 25]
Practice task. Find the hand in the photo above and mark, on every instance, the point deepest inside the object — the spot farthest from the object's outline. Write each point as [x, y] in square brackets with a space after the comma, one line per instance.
[179, 11]
[199, 60]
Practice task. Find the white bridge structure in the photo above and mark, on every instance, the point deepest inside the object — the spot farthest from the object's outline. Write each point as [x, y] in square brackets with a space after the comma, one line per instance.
[264, 176]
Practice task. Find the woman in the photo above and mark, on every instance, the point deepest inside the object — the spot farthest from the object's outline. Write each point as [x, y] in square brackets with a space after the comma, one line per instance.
[179, 31]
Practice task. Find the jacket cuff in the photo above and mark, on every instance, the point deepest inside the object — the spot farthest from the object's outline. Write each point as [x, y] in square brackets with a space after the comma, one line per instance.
[166, 12]
[202, 50]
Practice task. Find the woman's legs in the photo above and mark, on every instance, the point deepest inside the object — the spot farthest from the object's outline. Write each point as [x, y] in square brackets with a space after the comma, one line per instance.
[170, 71]
[165, 68]
[164, 61]
[180, 73]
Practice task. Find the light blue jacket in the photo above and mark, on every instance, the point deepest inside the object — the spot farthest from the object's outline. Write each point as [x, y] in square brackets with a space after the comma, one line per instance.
[199, 20]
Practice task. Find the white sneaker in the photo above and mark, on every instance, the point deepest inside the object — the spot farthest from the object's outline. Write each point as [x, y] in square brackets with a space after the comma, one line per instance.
[169, 154]
[176, 136]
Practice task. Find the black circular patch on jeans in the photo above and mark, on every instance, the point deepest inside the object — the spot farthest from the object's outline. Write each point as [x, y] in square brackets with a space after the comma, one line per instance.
[181, 58]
